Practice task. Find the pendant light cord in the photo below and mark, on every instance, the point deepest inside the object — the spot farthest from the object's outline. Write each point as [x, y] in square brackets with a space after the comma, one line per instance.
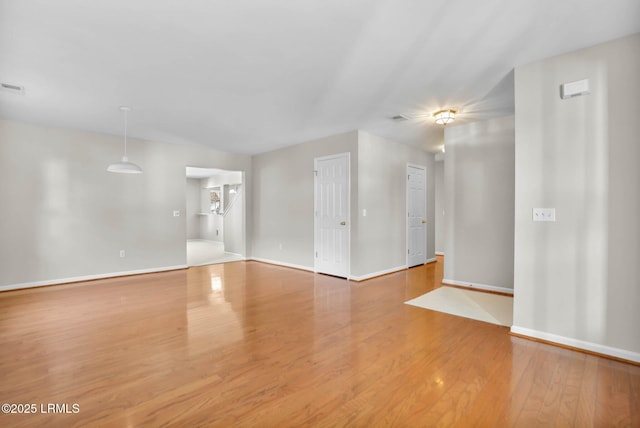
[125, 132]
[125, 166]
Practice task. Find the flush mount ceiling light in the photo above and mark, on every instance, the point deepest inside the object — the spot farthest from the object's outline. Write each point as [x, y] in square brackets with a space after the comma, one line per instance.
[125, 167]
[444, 117]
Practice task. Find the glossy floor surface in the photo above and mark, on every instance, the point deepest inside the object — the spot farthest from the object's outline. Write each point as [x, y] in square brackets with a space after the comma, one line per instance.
[256, 345]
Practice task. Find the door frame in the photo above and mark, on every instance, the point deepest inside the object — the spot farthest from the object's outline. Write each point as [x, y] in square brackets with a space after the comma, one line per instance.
[406, 218]
[315, 209]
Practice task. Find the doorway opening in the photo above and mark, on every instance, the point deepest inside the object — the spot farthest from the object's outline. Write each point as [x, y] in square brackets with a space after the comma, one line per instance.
[215, 216]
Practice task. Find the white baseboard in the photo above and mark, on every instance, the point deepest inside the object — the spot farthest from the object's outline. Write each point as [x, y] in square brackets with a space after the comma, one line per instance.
[87, 278]
[236, 254]
[432, 260]
[275, 262]
[478, 286]
[576, 343]
[439, 253]
[311, 269]
[379, 273]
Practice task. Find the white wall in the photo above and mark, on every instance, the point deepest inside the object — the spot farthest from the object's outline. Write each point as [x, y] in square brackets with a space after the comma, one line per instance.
[283, 201]
[479, 184]
[233, 221]
[193, 208]
[228, 177]
[439, 216]
[379, 240]
[283, 183]
[64, 216]
[577, 279]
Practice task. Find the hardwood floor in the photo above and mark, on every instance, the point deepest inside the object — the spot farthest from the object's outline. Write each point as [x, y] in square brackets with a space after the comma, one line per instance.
[250, 344]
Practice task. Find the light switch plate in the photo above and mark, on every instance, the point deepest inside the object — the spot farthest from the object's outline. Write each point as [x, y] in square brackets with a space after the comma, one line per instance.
[176, 213]
[544, 214]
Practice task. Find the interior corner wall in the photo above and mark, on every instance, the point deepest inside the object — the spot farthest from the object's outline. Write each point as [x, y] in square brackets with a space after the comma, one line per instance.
[65, 217]
[193, 208]
[439, 215]
[577, 279]
[479, 184]
[233, 221]
[380, 237]
[283, 198]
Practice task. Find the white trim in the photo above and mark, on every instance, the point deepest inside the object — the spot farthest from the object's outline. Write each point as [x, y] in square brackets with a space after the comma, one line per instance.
[406, 211]
[431, 260]
[478, 286]
[576, 343]
[315, 209]
[379, 273]
[236, 254]
[88, 278]
[277, 263]
[439, 253]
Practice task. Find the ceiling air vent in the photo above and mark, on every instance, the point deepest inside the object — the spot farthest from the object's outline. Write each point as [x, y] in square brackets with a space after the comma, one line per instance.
[399, 118]
[14, 89]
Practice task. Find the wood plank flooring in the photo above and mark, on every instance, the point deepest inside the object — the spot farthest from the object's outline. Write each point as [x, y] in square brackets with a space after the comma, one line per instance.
[255, 345]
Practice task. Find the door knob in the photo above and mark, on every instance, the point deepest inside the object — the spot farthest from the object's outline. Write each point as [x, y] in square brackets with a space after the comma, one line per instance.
[424, 221]
[343, 223]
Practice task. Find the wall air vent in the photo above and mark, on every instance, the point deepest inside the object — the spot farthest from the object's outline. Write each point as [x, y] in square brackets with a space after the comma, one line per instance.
[574, 89]
[399, 118]
[14, 89]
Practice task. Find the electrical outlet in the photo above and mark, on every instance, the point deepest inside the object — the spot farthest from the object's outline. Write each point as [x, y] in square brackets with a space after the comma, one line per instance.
[122, 253]
[280, 245]
[544, 214]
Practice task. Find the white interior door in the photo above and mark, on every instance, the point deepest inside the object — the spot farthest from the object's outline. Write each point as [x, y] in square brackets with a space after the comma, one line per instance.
[416, 215]
[332, 215]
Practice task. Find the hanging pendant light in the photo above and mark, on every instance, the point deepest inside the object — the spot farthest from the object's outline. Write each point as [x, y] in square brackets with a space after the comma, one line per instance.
[125, 167]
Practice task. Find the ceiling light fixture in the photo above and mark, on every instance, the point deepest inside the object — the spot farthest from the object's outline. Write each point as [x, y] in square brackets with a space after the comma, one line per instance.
[125, 167]
[444, 117]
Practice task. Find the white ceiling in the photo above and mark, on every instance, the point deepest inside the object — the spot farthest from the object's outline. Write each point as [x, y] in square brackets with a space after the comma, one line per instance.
[250, 76]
